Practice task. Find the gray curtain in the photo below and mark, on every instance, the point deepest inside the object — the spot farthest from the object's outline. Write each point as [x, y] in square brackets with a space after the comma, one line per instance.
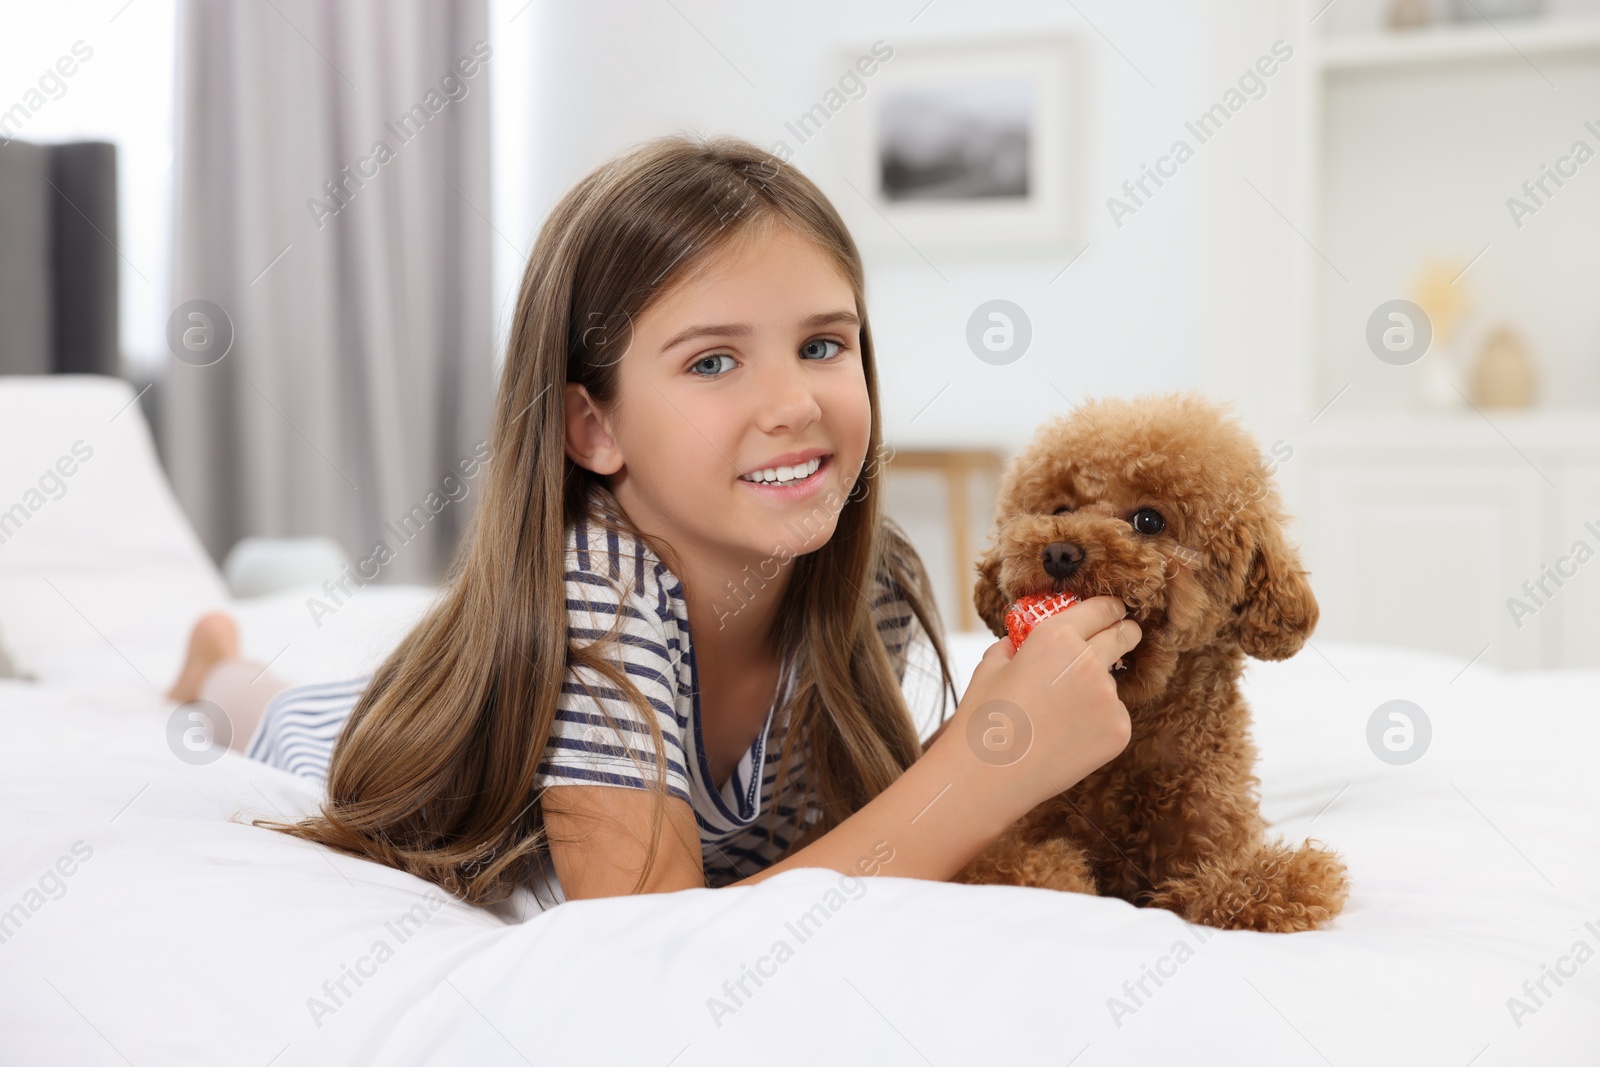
[332, 184]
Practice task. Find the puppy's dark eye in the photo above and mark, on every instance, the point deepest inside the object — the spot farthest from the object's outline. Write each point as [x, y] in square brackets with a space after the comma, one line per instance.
[1148, 521]
[1062, 510]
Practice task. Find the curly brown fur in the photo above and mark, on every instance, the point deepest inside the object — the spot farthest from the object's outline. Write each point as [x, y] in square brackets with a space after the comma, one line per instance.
[1174, 821]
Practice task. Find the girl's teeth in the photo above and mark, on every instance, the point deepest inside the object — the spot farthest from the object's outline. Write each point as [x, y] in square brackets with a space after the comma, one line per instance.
[785, 475]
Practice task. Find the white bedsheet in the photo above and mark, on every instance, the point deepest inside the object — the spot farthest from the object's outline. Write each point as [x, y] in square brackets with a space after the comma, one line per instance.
[186, 938]
[139, 925]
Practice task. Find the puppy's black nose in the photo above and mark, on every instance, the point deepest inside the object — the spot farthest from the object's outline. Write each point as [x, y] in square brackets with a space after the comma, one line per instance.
[1061, 558]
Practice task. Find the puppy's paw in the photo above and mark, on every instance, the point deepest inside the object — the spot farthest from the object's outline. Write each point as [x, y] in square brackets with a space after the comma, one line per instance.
[1278, 890]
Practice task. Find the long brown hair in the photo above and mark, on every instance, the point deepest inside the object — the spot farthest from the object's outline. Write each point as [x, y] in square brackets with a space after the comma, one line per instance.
[434, 770]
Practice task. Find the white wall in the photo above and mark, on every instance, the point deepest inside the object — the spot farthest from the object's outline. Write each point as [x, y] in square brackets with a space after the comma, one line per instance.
[1127, 317]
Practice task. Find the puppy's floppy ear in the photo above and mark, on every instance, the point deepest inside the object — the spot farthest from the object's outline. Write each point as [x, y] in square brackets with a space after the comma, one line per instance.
[987, 598]
[1278, 611]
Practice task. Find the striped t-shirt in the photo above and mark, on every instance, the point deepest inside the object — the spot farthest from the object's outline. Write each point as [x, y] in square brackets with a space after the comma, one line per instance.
[744, 827]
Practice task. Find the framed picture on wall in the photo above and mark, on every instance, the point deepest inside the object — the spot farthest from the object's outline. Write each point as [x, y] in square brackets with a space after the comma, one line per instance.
[967, 147]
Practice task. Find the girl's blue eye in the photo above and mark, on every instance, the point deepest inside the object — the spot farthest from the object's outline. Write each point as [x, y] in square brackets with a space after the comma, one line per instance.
[709, 359]
[821, 341]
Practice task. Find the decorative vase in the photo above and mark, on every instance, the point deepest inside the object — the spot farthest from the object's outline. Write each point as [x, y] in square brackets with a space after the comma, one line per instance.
[1409, 14]
[1503, 377]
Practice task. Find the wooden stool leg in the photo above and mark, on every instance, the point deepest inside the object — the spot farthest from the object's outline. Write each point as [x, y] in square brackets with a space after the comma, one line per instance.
[957, 467]
[961, 533]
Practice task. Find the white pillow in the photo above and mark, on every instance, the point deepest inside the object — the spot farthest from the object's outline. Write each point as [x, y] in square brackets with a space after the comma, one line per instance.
[256, 566]
[101, 575]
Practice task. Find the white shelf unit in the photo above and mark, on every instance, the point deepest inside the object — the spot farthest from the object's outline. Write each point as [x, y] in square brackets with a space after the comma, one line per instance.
[1418, 141]
[1420, 526]
[1422, 530]
[1460, 43]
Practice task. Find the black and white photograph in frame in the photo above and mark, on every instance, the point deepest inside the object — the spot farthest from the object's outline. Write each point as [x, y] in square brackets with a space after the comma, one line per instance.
[966, 146]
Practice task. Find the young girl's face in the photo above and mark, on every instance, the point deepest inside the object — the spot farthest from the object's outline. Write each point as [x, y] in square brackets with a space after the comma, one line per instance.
[753, 363]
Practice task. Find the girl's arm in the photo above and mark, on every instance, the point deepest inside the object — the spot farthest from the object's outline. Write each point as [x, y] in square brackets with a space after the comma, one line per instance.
[599, 839]
[929, 823]
[1054, 712]
[1057, 694]
[598, 834]
[935, 735]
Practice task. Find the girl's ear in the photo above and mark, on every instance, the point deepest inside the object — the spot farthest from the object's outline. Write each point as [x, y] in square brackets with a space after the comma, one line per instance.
[589, 440]
[987, 598]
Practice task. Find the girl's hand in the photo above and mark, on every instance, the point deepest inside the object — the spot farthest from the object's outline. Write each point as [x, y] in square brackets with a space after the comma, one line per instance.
[1037, 721]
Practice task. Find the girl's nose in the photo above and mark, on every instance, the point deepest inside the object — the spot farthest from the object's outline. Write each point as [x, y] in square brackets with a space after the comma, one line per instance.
[786, 399]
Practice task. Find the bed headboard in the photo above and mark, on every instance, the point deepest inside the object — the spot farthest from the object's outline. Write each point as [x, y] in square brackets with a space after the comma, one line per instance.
[58, 263]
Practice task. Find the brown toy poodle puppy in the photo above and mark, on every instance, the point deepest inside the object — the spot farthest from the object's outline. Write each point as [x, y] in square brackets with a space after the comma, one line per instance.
[1166, 504]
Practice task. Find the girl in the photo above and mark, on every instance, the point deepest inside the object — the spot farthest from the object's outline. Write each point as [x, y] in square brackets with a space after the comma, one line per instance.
[699, 682]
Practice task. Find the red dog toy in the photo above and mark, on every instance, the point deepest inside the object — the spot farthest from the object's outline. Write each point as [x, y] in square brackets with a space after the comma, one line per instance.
[1031, 610]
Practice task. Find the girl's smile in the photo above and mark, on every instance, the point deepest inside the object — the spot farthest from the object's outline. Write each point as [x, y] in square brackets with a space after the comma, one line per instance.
[792, 476]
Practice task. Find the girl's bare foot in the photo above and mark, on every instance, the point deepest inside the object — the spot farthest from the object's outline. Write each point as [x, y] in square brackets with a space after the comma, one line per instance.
[214, 638]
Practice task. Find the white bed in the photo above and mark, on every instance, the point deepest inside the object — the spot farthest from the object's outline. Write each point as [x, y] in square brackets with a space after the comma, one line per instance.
[182, 937]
